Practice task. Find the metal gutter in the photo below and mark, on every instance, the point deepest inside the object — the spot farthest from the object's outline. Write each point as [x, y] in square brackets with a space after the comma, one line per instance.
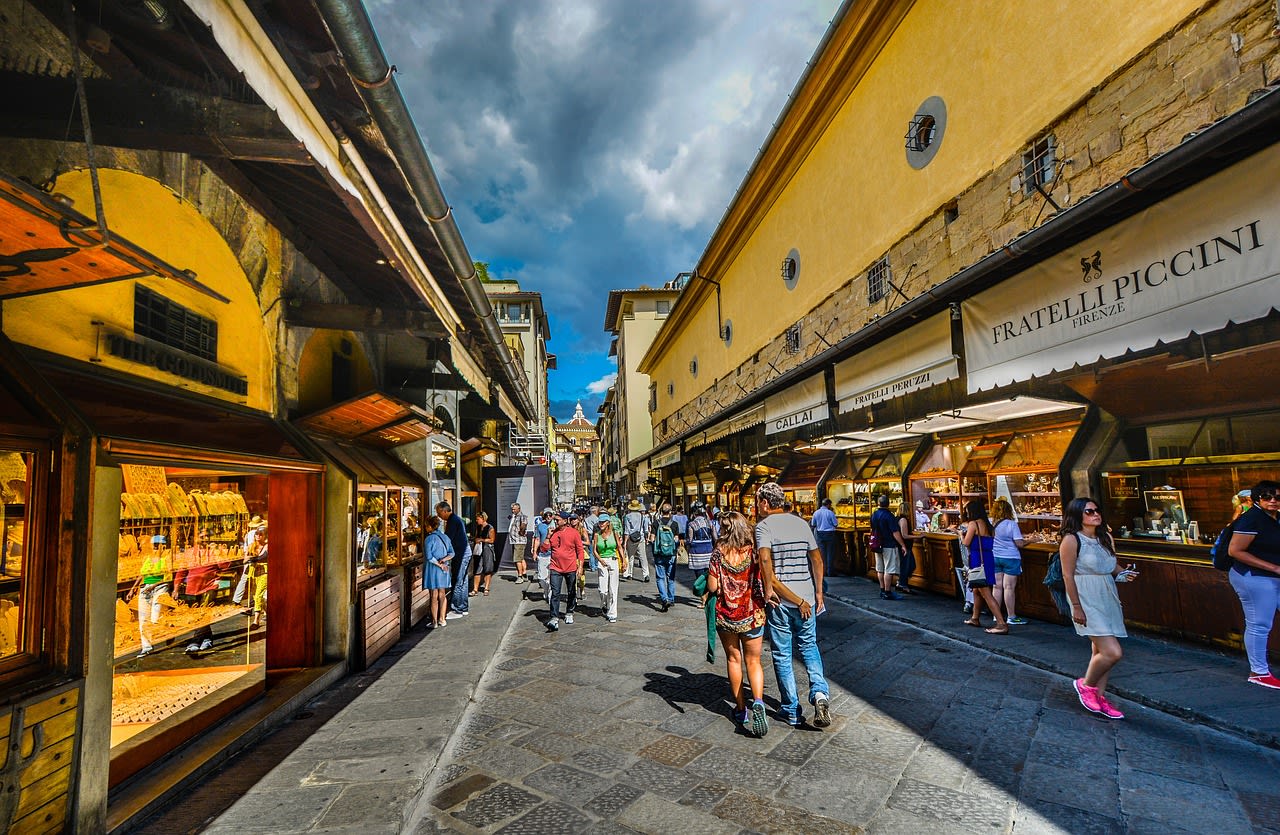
[362, 54]
[1256, 126]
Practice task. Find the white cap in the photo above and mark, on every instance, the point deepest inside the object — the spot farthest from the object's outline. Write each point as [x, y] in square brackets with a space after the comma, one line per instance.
[919, 504]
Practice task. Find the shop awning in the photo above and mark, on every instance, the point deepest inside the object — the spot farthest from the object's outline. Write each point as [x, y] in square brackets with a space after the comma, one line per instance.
[737, 423]
[371, 466]
[140, 419]
[665, 459]
[1206, 256]
[49, 246]
[911, 360]
[800, 405]
[806, 471]
[374, 419]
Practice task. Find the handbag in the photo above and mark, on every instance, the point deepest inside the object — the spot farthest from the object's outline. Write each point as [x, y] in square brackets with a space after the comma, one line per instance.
[977, 574]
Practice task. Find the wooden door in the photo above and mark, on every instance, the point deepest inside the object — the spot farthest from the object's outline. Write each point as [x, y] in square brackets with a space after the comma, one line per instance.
[293, 596]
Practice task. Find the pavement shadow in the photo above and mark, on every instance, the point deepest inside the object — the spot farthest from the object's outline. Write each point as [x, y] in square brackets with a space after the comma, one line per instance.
[679, 686]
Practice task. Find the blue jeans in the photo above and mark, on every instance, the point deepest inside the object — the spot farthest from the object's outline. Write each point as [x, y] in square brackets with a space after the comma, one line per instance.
[563, 584]
[458, 600]
[827, 547]
[788, 631]
[1260, 599]
[666, 570]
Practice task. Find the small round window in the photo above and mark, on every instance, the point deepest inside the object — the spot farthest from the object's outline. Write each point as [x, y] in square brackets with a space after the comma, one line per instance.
[791, 269]
[726, 332]
[924, 132]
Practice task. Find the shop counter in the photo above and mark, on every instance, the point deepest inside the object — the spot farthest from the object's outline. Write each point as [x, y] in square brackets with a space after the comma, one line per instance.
[937, 556]
[378, 608]
[417, 600]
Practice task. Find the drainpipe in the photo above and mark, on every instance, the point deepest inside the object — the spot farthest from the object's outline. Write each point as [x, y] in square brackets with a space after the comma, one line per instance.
[353, 32]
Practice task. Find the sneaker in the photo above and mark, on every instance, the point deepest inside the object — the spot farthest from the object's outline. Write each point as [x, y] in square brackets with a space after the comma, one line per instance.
[759, 723]
[968, 608]
[665, 605]
[612, 620]
[884, 595]
[144, 652]
[1266, 680]
[569, 618]
[1088, 696]
[453, 615]
[1017, 621]
[207, 643]
[553, 625]
[1107, 709]
[739, 716]
[193, 647]
[822, 712]
[645, 579]
[795, 721]
[890, 595]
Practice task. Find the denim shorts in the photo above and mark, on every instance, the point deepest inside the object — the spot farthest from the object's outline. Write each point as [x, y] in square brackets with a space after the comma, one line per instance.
[1011, 567]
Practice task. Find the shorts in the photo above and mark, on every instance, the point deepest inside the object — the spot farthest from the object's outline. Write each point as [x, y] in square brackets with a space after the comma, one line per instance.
[887, 561]
[518, 550]
[1011, 567]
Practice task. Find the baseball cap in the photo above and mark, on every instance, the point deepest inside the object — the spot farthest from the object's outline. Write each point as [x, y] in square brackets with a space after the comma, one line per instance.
[1245, 494]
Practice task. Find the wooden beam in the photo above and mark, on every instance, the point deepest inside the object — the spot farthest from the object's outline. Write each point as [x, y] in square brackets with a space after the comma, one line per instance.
[354, 317]
[148, 116]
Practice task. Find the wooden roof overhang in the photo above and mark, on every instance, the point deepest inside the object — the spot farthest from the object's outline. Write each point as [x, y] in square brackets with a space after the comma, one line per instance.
[374, 419]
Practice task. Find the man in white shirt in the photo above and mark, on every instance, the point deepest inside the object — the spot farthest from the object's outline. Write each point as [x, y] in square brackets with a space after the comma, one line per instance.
[518, 534]
[791, 564]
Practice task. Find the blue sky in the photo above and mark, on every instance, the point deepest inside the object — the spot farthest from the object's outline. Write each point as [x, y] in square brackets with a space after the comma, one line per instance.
[587, 146]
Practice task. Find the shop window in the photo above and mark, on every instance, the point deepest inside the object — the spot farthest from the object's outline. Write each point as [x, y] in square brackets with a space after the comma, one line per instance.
[191, 604]
[390, 531]
[156, 317]
[1039, 163]
[878, 281]
[16, 473]
[1179, 481]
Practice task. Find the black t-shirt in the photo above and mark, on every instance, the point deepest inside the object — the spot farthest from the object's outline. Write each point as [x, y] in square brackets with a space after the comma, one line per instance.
[885, 525]
[1266, 540]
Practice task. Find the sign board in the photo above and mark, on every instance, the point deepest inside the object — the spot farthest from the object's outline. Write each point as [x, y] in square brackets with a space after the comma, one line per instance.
[139, 478]
[1204, 257]
[1122, 486]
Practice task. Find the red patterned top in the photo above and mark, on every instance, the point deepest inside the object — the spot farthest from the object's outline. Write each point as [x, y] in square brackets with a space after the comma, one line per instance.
[740, 606]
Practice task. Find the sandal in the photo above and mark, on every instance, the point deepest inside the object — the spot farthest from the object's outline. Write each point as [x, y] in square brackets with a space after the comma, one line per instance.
[998, 630]
[486, 592]
[976, 623]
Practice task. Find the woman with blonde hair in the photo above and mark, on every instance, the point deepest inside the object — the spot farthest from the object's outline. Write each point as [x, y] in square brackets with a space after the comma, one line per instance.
[1007, 548]
[735, 577]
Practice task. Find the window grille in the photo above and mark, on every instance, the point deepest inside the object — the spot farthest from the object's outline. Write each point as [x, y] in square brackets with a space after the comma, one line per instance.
[793, 339]
[878, 281]
[169, 323]
[1038, 163]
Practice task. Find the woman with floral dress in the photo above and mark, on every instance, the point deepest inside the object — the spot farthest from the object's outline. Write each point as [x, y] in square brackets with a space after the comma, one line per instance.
[734, 576]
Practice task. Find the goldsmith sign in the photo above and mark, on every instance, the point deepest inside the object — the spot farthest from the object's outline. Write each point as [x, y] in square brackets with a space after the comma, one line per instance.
[149, 352]
[1201, 258]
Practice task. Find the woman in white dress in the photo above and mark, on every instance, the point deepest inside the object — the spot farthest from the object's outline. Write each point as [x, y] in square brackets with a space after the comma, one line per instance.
[1090, 573]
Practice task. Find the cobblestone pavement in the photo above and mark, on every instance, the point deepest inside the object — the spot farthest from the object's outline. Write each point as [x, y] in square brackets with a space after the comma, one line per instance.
[496, 725]
[625, 727]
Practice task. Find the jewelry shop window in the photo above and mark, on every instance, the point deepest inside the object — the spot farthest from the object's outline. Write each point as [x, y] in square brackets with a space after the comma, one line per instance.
[16, 491]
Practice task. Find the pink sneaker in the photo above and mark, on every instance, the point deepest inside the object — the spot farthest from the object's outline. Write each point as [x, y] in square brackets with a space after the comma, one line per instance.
[1108, 709]
[1088, 696]
[1266, 680]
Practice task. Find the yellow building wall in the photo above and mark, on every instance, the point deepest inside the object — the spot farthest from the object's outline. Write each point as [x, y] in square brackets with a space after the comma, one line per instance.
[160, 221]
[315, 369]
[1007, 69]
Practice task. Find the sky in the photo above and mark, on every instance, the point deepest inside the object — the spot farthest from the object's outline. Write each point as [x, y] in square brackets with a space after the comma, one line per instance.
[589, 145]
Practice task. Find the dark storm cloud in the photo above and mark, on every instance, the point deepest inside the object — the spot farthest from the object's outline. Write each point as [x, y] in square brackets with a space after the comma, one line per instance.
[594, 145]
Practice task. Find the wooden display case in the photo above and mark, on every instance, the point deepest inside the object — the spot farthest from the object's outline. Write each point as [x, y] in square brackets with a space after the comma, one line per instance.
[952, 474]
[1027, 474]
[393, 515]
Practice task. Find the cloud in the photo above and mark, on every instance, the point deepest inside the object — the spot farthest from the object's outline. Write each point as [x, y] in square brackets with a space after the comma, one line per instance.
[602, 385]
[594, 143]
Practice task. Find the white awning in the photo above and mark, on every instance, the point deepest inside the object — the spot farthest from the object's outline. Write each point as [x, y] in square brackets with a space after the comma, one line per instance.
[740, 421]
[802, 404]
[914, 359]
[665, 459]
[1204, 257]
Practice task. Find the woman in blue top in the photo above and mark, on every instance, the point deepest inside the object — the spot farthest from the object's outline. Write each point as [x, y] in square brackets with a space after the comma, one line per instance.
[435, 572]
[978, 538]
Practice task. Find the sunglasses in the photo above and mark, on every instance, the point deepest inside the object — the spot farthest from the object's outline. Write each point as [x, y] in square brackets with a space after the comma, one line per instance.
[1266, 497]
[1092, 510]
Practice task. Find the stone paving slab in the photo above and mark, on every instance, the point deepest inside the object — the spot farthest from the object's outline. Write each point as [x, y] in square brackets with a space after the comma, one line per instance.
[595, 729]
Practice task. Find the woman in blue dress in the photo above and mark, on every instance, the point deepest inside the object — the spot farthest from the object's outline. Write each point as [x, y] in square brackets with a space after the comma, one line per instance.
[978, 538]
[435, 572]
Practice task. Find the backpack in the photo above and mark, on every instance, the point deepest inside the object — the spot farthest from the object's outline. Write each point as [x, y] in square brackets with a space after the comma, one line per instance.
[1056, 585]
[638, 531]
[664, 545]
[873, 543]
[1221, 559]
[701, 532]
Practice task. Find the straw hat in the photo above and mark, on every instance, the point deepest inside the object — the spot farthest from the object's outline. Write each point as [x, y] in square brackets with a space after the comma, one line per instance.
[256, 522]
[634, 505]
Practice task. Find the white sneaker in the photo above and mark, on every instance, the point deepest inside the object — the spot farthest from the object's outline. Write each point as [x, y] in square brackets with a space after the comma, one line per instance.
[453, 615]
[193, 647]
[569, 618]
[553, 625]
[206, 644]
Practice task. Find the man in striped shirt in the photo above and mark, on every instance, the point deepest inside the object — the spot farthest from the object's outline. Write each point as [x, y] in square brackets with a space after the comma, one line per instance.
[789, 557]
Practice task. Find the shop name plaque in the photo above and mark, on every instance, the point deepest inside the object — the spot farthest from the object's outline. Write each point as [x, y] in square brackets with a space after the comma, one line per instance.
[173, 361]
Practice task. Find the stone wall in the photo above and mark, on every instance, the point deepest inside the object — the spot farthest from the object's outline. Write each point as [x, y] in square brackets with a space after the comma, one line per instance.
[1196, 75]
